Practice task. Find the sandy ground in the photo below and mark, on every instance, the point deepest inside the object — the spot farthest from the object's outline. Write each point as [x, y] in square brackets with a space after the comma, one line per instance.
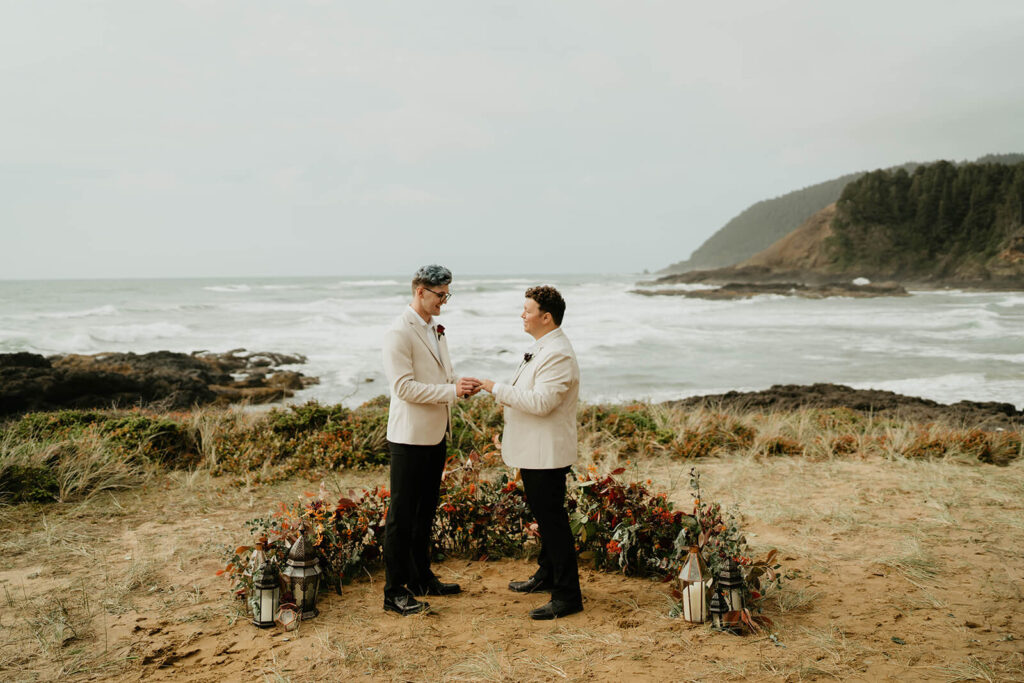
[903, 571]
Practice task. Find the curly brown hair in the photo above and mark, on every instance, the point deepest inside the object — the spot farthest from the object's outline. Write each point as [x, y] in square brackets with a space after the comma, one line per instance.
[549, 301]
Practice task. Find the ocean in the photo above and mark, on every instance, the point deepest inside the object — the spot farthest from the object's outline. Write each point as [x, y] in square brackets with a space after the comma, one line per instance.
[943, 345]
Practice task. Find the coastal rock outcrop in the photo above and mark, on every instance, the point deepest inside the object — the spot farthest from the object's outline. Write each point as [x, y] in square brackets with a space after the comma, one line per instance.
[746, 290]
[162, 379]
[787, 397]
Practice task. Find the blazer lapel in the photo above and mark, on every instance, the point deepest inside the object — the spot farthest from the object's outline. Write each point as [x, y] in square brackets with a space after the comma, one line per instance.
[422, 332]
[522, 366]
[536, 350]
[446, 360]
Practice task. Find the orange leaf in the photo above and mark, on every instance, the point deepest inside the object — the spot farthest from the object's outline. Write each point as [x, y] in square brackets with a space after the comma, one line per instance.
[242, 549]
[620, 470]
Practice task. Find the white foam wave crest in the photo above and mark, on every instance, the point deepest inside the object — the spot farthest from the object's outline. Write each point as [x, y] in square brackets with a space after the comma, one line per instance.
[139, 332]
[106, 310]
[72, 342]
[1011, 302]
[365, 283]
[334, 307]
[678, 287]
[983, 328]
[228, 288]
[462, 282]
[951, 388]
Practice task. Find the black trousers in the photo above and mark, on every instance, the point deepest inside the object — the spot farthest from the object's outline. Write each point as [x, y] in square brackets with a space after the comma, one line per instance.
[545, 495]
[415, 487]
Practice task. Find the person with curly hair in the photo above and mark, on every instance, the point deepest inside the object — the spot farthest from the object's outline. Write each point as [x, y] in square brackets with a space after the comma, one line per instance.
[540, 439]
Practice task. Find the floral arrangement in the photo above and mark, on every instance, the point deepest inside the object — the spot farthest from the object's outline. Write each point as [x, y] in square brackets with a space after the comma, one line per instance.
[621, 527]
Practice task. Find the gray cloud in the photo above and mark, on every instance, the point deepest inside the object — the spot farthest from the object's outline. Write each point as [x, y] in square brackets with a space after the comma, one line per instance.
[249, 138]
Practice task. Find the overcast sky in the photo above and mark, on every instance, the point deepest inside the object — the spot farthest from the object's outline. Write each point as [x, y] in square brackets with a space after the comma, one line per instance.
[203, 138]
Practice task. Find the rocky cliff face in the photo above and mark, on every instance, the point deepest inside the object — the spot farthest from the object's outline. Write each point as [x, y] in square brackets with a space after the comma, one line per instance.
[803, 249]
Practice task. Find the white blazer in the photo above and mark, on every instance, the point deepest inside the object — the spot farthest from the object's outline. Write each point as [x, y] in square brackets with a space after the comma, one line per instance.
[422, 384]
[540, 407]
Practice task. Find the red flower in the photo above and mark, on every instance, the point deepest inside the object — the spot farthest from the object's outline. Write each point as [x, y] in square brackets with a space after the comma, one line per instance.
[440, 330]
[613, 547]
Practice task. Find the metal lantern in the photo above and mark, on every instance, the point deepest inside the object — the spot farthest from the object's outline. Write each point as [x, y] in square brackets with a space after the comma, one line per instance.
[303, 575]
[695, 579]
[718, 606]
[730, 580]
[266, 596]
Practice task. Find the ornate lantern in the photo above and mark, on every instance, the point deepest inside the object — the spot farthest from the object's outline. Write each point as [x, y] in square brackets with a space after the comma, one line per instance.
[266, 592]
[730, 581]
[695, 579]
[303, 574]
[718, 607]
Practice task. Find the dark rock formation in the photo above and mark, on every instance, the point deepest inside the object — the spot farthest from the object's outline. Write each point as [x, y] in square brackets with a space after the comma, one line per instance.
[786, 397]
[745, 290]
[162, 379]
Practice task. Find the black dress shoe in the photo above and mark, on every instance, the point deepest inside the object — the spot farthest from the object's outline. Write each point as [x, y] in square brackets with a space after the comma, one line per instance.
[531, 585]
[404, 605]
[557, 609]
[435, 587]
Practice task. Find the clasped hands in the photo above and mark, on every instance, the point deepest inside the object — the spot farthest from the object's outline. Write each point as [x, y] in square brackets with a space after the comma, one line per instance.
[468, 386]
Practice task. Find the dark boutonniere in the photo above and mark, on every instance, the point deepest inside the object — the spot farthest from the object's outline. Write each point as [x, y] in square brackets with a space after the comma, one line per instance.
[527, 357]
[440, 331]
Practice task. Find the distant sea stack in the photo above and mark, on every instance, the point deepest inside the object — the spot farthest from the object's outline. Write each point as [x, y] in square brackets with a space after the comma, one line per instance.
[762, 224]
[941, 225]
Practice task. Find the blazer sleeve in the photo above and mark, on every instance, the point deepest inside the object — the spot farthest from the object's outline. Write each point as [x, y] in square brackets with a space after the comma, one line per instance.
[402, 378]
[551, 383]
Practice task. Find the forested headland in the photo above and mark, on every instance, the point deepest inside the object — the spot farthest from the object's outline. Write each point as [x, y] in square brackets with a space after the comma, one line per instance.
[941, 221]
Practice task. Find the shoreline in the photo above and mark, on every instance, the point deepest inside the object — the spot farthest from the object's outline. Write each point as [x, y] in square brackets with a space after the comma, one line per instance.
[259, 381]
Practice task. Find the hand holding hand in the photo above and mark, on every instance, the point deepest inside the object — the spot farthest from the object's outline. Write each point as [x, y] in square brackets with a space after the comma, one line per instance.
[467, 386]
[487, 385]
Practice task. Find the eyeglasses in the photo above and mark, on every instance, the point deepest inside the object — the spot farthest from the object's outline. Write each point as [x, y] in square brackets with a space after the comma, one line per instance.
[440, 295]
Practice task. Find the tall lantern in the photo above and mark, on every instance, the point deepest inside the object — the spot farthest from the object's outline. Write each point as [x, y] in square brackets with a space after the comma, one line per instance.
[730, 580]
[718, 607]
[265, 595]
[303, 573]
[695, 579]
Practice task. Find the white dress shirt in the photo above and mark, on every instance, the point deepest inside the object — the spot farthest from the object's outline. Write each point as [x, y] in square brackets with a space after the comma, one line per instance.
[432, 334]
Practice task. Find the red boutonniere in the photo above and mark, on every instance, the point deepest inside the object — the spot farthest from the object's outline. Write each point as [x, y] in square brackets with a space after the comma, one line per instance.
[527, 357]
[440, 331]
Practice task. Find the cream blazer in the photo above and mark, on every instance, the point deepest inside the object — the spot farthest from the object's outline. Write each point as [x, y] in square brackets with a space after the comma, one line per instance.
[540, 407]
[422, 385]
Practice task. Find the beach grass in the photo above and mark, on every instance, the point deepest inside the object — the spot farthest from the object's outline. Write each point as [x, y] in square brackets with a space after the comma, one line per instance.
[110, 572]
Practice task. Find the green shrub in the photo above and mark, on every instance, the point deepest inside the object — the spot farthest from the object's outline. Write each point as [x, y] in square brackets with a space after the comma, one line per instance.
[28, 484]
[308, 417]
